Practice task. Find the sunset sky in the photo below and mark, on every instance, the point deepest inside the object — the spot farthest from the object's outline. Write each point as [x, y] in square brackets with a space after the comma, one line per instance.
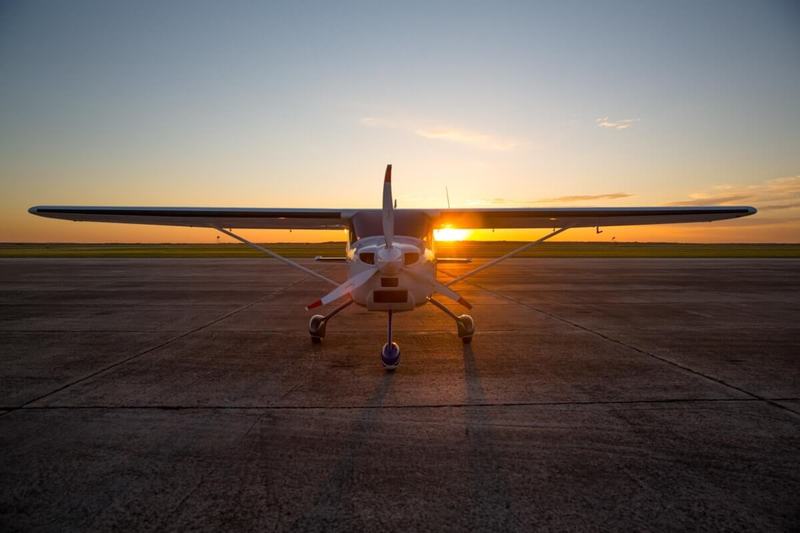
[301, 104]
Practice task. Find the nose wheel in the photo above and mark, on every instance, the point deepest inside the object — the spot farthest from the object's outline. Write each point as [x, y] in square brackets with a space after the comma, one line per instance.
[390, 353]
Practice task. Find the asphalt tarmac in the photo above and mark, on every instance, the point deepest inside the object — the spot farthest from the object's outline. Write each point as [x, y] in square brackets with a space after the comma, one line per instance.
[598, 394]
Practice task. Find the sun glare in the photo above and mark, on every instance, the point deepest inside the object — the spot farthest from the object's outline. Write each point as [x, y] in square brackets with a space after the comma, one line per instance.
[451, 234]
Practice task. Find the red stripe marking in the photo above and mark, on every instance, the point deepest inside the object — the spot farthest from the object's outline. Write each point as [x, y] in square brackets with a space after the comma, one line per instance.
[313, 305]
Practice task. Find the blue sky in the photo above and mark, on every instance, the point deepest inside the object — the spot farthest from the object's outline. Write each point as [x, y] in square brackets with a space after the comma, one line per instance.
[302, 104]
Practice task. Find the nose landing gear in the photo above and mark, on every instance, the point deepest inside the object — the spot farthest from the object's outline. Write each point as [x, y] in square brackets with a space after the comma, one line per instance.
[390, 353]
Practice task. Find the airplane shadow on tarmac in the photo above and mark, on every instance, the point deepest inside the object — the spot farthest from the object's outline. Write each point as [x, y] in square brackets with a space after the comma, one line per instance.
[491, 506]
[334, 508]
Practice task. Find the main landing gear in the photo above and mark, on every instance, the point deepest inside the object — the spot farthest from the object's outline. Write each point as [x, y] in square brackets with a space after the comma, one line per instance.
[464, 323]
[316, 326]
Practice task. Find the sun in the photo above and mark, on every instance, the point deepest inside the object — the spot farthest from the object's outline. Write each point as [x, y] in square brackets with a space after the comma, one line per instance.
[451, 234]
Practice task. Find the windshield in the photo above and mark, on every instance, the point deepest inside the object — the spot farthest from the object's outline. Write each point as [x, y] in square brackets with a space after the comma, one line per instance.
[408, 223]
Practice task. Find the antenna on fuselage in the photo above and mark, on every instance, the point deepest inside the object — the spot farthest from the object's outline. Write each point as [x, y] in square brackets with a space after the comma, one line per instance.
[447, 193]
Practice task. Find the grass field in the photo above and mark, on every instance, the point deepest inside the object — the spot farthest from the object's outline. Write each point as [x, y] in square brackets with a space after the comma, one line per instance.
[476, 249]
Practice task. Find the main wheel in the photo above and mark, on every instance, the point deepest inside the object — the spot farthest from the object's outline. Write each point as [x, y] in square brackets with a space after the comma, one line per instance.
[316, 328]
[466, 328]
[390, 356]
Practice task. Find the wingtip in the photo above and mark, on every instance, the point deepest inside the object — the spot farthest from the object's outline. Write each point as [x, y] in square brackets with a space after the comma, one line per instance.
[387, 178]
[34, 210]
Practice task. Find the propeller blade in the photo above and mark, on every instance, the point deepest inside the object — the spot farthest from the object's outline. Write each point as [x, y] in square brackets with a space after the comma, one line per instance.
[388, 208]
[442, 289]
[345, 288]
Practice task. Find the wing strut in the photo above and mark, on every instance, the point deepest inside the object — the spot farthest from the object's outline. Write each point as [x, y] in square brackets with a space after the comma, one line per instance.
[506, 256]
[276, 256]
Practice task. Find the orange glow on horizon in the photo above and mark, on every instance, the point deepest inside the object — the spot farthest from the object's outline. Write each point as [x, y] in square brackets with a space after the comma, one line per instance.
[451, 234]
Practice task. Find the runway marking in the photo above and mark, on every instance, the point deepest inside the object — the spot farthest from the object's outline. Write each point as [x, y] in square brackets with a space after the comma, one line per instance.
[272, 407]
[169, 341]
[630, 346]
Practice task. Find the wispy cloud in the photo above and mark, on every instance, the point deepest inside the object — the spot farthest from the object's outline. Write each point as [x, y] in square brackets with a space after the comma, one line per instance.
[779, 194]
[779, 206]
[558, 200]
[447, 133]
[584, 198]
[623, 124]
[713, 200]
[377, 122]
[783, 191]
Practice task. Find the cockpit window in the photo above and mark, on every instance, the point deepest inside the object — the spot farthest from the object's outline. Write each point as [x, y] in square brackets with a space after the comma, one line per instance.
[409, 258]
[409, 223]
[367, 257]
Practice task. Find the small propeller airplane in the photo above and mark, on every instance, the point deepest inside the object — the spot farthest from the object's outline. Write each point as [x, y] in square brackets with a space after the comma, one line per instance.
[390, 252]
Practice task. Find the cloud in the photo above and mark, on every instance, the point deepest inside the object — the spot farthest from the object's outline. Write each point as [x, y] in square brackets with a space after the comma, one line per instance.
[376, 122]
[560, 199]
[446, 133]
[783, 206]
[713, 200]
[584, 197]
[778, 193]
[605, 122]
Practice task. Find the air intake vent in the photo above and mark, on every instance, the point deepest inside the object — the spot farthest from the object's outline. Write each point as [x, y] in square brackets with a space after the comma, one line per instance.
[410, 258]
[390, 297]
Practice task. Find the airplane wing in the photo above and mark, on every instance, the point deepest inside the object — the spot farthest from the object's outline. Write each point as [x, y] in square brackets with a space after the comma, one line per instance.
[292, 218]
[581, 217]
[260, 218]
[575, 217]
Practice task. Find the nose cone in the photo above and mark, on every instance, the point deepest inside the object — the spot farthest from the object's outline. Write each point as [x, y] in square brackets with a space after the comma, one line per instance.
[389, 260]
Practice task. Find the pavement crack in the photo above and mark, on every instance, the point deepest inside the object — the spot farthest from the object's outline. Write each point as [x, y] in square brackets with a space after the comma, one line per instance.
[630, 346]
[152, 348]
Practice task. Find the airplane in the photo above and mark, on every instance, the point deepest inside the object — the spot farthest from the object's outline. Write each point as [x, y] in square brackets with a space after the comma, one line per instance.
[390, 253]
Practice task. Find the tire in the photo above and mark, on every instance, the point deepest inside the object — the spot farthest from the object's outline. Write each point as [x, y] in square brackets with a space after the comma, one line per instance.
[466, 328]
[316, 328]
[390, 356]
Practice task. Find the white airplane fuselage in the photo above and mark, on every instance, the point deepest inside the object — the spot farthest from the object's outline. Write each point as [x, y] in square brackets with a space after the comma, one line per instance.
[404, 268]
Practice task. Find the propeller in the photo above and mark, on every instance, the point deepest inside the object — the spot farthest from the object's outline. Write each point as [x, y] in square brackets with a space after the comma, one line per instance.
[388, 208]
[441, 288]
[345, 288]
[389, 260]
